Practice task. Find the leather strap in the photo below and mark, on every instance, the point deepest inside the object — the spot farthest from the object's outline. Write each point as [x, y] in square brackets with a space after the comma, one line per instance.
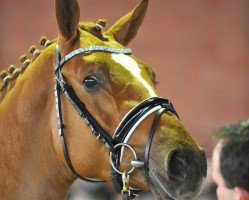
[128, 122]
[61, 134]
[130, 119]
[149, 141]
[96, 129]
[126, 196]
[90, 49]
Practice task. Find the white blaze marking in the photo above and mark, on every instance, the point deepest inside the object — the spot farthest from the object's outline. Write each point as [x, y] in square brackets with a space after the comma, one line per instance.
[130, 64]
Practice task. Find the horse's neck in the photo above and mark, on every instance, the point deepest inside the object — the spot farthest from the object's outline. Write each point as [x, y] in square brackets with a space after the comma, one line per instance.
[30, 168]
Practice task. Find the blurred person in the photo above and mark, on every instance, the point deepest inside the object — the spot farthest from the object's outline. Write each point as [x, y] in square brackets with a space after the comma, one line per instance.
[231, 161]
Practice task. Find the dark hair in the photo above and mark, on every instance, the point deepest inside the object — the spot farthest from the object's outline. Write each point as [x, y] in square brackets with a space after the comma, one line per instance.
[234, 155]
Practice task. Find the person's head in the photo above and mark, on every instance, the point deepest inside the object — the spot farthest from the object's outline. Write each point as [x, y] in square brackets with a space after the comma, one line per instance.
[231, 161]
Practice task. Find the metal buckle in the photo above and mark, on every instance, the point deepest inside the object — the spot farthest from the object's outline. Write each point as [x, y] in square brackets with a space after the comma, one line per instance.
[134, 154]
[125, 179]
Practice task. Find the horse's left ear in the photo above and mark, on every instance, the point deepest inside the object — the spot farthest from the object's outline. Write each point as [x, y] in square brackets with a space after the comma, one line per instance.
[67, 14]
[125, 29]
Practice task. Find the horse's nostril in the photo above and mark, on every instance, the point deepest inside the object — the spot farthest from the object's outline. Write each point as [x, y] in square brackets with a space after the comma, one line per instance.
[177, 165]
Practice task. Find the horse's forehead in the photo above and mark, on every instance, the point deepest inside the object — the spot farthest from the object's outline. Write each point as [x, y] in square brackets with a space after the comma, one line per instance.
[132, 67]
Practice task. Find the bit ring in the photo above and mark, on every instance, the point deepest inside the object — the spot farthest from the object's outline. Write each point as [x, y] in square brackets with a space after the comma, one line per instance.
[134, 154]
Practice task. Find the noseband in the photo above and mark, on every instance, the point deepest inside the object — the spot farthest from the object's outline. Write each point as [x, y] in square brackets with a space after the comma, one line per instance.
[119, 140]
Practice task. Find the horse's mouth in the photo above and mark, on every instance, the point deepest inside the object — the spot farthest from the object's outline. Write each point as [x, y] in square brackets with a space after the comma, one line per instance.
[161, 191]
[158, 188]
[160, 196]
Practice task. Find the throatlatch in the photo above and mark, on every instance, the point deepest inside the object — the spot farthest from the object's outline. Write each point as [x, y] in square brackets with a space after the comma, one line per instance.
[116, 143]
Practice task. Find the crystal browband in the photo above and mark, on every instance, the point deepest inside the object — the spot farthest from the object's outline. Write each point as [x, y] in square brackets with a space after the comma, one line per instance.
[92, 49]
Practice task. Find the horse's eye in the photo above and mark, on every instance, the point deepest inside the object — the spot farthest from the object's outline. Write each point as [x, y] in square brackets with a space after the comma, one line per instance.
[91, 82]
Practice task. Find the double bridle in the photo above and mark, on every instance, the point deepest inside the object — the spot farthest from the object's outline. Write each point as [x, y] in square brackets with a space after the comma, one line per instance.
[119, 140]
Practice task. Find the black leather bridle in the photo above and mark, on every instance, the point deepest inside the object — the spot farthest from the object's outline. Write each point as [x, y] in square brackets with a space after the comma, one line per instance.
[125, 129]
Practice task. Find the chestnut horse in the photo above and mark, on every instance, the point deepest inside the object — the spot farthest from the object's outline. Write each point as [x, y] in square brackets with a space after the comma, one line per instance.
[87, 75]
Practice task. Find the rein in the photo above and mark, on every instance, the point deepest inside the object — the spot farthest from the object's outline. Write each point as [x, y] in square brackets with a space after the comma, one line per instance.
[116, 143]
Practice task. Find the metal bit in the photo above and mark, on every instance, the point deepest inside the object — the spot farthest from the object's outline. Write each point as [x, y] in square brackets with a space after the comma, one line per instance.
[137, 163]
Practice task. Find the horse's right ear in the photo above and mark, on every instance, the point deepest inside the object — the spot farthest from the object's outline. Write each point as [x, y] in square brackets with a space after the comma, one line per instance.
[67, 14]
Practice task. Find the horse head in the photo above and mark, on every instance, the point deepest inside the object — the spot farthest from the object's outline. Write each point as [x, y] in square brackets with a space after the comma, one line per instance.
[111, 84]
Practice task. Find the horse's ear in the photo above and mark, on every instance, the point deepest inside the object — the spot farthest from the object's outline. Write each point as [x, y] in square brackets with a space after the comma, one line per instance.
[67, 14]
[126, 28]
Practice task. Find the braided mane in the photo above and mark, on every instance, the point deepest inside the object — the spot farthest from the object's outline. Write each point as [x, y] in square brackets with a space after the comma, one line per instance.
[9, 76]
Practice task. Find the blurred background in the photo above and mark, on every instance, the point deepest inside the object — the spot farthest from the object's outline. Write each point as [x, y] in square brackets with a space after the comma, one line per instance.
[198, 48]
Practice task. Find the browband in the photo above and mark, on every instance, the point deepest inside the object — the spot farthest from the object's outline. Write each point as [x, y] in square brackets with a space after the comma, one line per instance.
[89, 49]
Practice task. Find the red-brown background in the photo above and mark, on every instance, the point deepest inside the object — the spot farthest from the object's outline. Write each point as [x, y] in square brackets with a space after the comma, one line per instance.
[198, 47]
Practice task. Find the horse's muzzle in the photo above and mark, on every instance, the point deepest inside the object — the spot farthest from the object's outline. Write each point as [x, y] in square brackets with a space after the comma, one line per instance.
[180, 176]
